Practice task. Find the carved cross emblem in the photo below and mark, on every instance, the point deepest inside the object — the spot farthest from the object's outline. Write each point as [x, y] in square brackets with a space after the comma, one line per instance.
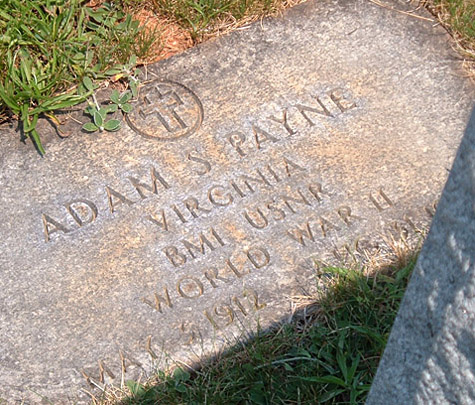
[166, 110]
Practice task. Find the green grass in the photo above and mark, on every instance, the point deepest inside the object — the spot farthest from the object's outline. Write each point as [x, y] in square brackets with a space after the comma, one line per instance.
[330, 357]
[204, 16]
[48, 47]
[459, 17]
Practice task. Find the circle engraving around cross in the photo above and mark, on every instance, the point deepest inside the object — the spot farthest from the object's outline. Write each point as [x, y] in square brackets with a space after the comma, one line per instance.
[166, 110]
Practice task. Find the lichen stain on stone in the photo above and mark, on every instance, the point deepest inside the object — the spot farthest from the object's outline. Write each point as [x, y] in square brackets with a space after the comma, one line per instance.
[237, 234]
[111, 267]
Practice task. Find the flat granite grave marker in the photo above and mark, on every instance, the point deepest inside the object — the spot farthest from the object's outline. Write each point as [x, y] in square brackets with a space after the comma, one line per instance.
[315, 136]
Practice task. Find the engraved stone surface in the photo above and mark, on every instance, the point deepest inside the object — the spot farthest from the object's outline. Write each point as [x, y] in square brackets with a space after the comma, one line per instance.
[166, 110]
[317, 136]
[430, 354]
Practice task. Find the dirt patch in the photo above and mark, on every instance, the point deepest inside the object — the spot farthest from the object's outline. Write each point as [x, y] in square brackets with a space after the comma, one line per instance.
[167, 37]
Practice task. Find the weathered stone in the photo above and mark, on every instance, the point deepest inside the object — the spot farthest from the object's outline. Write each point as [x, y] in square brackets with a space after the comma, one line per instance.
[430, 354]
[312, 136]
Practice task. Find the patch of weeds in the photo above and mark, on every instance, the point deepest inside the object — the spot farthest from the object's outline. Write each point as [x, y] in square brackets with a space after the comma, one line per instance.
[47, 48]
[204, 17]
[330, 358]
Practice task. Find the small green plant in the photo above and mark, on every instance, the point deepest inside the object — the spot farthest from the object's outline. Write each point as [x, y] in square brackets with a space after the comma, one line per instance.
[121, 100]
[99, 117]
[99, 114]
[117, 101]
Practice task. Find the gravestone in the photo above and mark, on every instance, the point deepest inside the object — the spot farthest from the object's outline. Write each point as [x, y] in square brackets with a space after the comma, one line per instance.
[316, 137]
[431, 351]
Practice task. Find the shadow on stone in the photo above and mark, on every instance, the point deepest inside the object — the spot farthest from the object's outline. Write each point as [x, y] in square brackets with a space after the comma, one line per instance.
[305, 359]
[429, 357]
